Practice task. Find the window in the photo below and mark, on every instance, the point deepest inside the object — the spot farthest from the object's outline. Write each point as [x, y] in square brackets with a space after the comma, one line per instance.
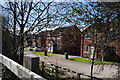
[75, 37]
[87, 36]
[86, 49]
[48, 36]
[91, 51]
[58, 47]
[39, 38]
[59, 36]
[92, 48]
[49, 45]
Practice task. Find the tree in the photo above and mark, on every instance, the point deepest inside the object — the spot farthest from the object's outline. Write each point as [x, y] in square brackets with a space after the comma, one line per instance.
[101, 17]
[7, 39]
[30, 16]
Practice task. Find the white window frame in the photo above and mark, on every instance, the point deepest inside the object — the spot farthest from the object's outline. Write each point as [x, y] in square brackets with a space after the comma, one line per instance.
[59, 36]
[48, 36]
[86, 47]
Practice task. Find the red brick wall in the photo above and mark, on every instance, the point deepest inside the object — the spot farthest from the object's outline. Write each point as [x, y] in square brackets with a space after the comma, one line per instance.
[70, 39]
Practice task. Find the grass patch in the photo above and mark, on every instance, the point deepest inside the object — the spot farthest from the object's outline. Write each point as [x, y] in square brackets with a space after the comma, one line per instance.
[83, 60]
[42, 53]
[26, 49]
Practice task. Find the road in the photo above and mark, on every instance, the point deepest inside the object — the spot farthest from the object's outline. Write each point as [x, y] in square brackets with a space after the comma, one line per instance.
[100, 71]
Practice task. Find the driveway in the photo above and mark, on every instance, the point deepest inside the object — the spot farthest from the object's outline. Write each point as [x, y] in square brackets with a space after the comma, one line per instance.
[100, 71]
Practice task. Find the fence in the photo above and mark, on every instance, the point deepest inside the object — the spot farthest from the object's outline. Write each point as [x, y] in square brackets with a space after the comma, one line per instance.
[6, 74]
[0, 71]
[19, 70]
[54, 72]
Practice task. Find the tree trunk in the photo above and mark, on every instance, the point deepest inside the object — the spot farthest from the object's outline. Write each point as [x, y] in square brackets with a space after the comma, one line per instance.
[21, 49]
[22, 35]
[14, 35]
[21, 44]
[95, 52]
[92, 65]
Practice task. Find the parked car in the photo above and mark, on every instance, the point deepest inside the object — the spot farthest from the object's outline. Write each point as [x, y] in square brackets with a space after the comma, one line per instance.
[31, 48]
[34, 48]
[38, 49]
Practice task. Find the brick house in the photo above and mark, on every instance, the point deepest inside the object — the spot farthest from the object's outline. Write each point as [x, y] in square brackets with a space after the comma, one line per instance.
[109, 44]
[87, 43]
[86, 48]
[113, 49]
[61, 40]
[29, 40]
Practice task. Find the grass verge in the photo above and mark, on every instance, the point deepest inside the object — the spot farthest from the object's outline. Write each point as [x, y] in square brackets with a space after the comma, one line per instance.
[83, 60]
[26, 49]
[42, 53]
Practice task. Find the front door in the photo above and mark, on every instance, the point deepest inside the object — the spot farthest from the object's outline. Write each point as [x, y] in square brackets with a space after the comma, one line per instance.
[50, 48]
[92, 48]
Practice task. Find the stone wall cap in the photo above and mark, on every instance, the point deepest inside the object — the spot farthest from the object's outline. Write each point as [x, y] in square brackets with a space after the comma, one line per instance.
[31, 56]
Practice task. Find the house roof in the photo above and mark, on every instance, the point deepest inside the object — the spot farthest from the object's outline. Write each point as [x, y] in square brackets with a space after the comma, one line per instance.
[67, 29]
[64, 30]
[50, 28]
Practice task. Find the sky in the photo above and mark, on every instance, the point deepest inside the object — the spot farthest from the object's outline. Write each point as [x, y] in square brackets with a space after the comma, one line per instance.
[2, 2]
[64, 0]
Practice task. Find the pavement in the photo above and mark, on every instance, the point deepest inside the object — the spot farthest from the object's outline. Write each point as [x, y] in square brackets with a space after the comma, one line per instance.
[100, 71]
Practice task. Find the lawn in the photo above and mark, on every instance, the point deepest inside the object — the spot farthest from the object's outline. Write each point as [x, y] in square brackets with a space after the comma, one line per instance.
[42, 53]
[26, 49]
[83, 60]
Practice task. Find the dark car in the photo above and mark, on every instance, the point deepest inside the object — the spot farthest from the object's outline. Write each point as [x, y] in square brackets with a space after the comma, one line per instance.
[39, 49]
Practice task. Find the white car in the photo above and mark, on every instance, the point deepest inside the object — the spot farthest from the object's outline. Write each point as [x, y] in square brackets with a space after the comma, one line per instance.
[31, 48]
[38, 49]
